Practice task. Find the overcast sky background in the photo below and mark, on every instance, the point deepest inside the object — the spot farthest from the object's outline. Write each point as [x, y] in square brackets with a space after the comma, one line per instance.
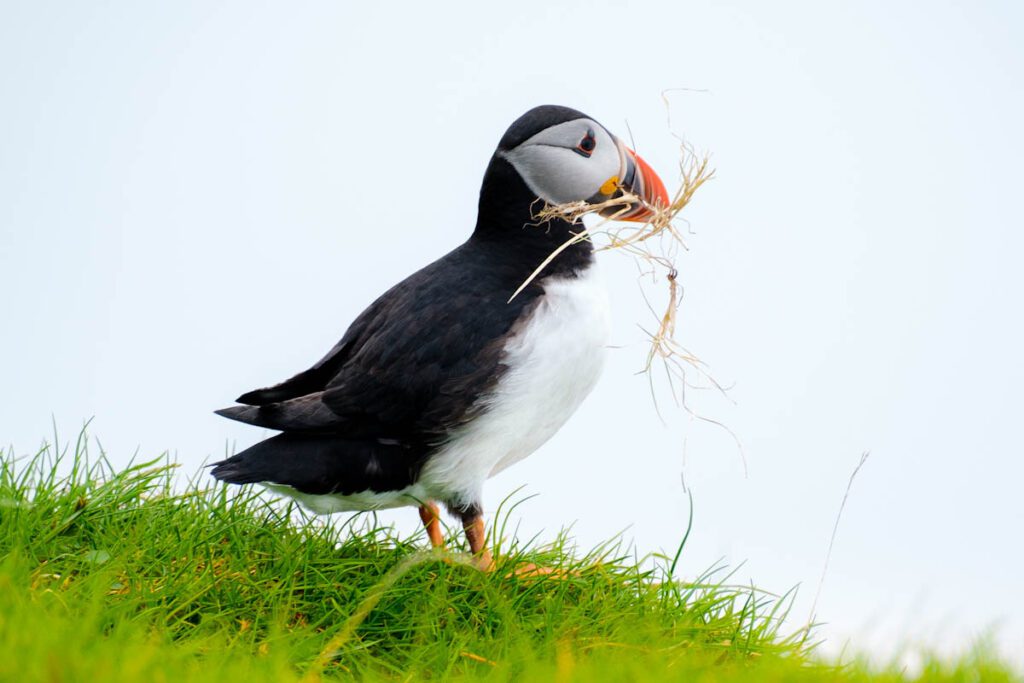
[196, 198]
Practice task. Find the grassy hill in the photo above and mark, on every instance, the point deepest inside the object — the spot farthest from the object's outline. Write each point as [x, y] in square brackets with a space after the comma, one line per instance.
[119, 576]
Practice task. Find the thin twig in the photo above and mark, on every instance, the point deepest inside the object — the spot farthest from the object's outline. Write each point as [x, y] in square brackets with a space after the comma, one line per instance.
[832, 540]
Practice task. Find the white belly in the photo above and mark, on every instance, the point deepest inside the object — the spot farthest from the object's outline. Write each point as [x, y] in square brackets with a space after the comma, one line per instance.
[328, 503]
[553, 362]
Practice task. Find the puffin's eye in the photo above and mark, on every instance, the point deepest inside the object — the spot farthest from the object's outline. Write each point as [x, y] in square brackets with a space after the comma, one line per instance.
[587, 144]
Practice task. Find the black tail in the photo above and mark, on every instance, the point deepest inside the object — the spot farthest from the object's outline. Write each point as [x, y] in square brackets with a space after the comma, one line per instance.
[247, 414]
[318, 464]
[304, 414]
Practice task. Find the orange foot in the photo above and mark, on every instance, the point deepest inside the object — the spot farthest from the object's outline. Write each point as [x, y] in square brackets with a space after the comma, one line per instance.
[531, 570]
[476, 534]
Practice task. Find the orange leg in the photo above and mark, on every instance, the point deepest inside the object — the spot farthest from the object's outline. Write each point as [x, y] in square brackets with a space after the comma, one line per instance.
[476, 534]
[431, 517]
[477, 537]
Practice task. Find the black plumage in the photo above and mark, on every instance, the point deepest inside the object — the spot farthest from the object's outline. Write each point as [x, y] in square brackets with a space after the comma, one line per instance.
[414, 366]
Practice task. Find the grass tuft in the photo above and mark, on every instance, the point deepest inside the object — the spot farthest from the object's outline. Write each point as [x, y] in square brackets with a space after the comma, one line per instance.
[120, 575]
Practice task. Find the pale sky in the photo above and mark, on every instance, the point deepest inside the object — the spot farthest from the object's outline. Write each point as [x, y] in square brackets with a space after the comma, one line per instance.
[196, 199]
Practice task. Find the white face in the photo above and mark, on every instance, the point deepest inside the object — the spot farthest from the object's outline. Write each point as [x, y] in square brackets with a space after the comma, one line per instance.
[569, 162]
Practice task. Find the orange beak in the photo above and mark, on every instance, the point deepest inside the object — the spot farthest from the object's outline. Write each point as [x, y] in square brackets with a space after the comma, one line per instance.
[638, 178]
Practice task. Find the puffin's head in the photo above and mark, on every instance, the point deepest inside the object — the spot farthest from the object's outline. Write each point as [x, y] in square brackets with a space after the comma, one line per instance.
[563, 155]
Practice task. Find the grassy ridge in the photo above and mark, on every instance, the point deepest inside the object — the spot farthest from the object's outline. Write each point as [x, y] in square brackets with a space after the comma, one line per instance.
[117, 575]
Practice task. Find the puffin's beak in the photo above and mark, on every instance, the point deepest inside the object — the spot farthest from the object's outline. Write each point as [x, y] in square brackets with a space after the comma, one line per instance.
[637, 178]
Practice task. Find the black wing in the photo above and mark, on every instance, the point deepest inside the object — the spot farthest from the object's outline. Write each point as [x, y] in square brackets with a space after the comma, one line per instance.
[318, 464]
[307, 382]
[413, 364]
[316, 378]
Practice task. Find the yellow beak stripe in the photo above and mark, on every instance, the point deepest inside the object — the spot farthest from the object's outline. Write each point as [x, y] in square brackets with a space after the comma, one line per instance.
[610, 186]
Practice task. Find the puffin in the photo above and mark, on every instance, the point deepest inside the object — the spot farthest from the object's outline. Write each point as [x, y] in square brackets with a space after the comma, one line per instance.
[451, 376]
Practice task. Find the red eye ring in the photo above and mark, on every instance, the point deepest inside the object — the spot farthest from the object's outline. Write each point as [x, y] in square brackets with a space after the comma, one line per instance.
[588, 144]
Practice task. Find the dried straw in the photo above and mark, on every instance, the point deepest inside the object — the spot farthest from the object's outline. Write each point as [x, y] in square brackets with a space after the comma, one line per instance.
[655, 244]
[638, 240]
[631, 237]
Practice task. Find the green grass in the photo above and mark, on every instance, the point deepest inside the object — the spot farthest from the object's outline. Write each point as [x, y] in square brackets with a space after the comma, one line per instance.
[122, 576]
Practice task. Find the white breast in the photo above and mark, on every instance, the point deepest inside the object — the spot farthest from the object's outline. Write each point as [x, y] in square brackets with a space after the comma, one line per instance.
[553, 360]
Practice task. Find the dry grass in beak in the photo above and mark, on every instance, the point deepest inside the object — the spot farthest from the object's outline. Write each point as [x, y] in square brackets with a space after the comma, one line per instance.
[655, 245]
[633, 238]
